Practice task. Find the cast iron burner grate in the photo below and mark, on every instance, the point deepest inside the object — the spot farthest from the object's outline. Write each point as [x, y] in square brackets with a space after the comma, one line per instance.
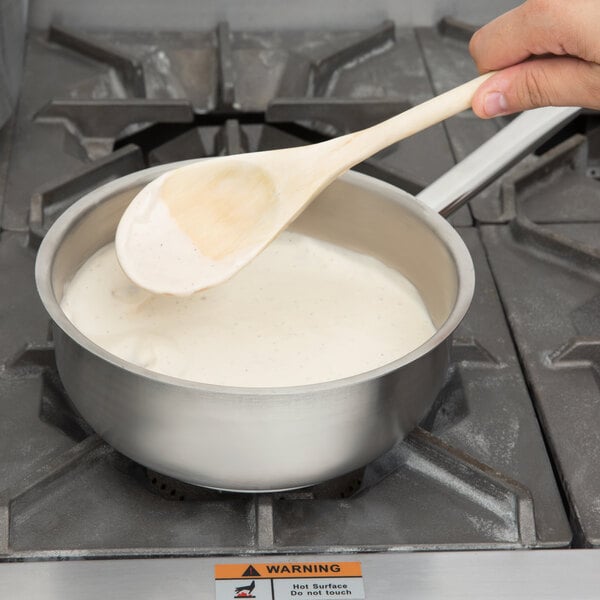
[286, 521]
[553, 233]
[96, 107]
[166, 130]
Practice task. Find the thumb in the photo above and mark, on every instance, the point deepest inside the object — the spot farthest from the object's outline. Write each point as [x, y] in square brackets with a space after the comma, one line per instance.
[542, 82]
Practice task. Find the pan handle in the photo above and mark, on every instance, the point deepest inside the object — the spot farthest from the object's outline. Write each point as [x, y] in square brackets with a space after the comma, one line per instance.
[521, 136]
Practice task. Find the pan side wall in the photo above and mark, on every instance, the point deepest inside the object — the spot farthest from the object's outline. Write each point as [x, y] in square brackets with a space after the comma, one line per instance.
[245, 441]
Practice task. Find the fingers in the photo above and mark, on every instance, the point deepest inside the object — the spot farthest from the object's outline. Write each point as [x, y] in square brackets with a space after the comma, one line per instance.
[568, 30]
[541, 82]
[539, 27]
[500, 43]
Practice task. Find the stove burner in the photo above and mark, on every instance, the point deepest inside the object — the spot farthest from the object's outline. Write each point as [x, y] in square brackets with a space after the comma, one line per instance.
[101, 125]
[172, 489]
[552, 205]
[476, 475]
[168, 488]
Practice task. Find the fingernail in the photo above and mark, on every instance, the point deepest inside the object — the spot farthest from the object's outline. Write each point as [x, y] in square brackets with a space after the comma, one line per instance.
[495, 104]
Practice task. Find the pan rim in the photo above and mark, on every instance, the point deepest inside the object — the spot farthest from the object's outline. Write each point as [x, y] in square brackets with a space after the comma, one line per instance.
[87, 203]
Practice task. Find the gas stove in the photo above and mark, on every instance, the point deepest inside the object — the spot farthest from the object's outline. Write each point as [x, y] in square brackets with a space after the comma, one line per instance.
[507, 458]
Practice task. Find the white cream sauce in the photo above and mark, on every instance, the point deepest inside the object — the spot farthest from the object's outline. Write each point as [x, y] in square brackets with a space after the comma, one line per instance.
[304, 311]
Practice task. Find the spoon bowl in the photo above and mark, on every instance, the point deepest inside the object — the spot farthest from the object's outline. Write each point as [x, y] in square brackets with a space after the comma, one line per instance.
[194, 245]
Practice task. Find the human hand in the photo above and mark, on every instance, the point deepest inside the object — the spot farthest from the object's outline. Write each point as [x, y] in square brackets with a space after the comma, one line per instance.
[565, 34]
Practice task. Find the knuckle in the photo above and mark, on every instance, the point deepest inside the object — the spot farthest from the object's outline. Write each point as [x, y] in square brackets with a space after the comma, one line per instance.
[535, 89]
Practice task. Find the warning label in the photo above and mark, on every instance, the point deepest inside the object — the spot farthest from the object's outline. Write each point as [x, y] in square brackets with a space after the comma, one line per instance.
[290, 581]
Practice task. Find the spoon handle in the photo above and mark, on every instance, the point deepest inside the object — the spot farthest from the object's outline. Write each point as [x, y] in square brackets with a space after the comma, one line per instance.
[351, 149]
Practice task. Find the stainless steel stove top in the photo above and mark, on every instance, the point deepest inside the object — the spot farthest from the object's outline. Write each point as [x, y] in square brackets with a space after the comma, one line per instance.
[507, 457]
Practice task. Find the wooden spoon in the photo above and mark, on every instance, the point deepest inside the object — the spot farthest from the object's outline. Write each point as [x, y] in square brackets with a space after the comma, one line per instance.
[196, 226]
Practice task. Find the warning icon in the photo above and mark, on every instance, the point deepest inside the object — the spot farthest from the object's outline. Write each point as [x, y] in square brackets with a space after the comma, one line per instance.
[250, 572]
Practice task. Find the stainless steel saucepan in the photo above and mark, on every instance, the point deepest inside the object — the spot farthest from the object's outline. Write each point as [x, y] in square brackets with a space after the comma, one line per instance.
[266, 439]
